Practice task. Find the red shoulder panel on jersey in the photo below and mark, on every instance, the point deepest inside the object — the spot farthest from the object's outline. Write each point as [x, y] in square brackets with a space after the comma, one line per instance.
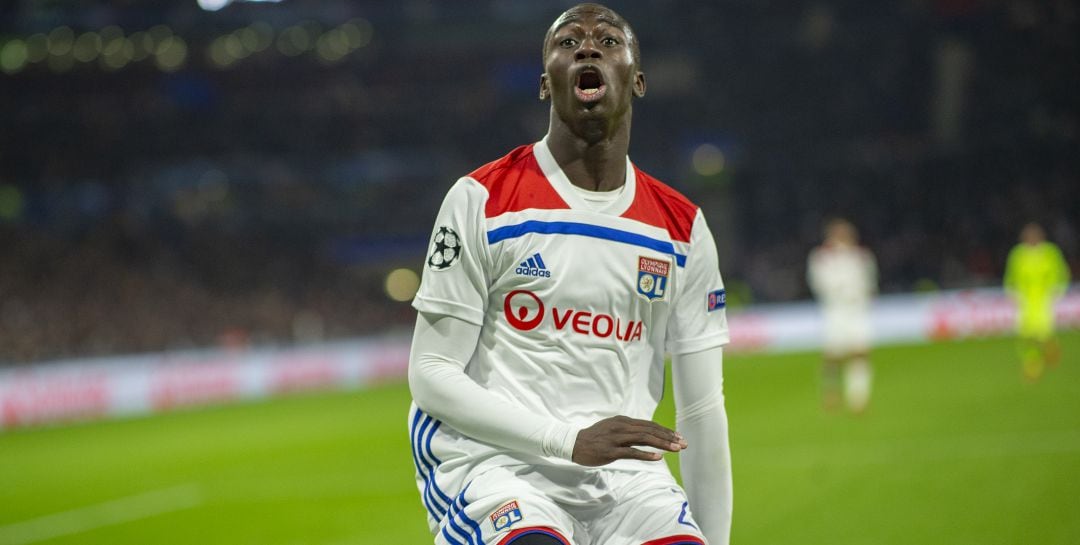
[661, 206]
[515, 182]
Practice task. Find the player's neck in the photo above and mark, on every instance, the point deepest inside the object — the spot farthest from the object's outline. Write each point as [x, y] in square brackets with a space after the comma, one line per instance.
[591, 159]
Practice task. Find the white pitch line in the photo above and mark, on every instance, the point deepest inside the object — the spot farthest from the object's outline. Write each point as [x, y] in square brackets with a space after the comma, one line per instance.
[82, 519]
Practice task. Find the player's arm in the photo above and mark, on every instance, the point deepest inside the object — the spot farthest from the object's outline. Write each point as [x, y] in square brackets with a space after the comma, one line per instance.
[451, 301]
[1063, 274]
[698, 380]
[1011, 272]
[441, 348]
[696, 334]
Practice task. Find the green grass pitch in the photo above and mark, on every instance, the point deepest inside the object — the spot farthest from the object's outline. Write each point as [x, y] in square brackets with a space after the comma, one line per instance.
[955, 449]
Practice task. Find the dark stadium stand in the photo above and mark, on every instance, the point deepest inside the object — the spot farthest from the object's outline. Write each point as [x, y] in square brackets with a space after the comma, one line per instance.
[229, 193]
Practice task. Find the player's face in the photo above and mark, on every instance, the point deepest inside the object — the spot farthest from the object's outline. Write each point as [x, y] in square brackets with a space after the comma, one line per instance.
[842, 233]
[589, 69]
[1032, 234]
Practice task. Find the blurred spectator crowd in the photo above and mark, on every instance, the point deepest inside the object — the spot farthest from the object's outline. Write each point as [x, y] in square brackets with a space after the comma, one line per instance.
[262, 202]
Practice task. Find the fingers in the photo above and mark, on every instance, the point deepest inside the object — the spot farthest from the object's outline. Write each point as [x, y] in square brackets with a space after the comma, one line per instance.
[646, 440]
[637, 454]
[635, 432]
[616, 438]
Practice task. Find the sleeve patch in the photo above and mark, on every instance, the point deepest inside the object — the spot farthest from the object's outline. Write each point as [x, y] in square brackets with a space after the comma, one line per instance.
[717, 300]
[446, 249]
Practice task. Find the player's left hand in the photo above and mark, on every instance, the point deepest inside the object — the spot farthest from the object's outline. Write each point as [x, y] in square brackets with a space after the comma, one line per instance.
[615, 438]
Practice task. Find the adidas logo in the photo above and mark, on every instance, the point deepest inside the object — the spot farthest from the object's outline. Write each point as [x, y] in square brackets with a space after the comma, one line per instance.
[534, 266]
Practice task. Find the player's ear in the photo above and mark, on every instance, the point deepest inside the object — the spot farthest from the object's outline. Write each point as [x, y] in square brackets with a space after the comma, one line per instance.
[545, 92]
[639, 84]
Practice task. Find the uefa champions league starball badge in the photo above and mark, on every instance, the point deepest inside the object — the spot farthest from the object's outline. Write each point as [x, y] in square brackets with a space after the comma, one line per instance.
[445, 249]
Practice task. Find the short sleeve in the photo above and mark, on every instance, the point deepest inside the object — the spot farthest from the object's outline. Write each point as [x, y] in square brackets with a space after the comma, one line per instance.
[698, 318]
[455, 277]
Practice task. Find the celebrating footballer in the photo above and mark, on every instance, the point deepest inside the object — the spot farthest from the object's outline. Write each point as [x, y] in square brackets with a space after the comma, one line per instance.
[558, 279]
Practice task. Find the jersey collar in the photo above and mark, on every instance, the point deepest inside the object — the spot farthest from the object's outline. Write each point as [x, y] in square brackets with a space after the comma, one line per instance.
[558, 180]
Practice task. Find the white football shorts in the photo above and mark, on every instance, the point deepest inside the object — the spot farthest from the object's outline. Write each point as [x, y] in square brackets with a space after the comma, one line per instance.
[578, 506]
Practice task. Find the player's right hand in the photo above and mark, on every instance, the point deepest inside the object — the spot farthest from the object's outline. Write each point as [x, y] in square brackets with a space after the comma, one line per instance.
[615, 438]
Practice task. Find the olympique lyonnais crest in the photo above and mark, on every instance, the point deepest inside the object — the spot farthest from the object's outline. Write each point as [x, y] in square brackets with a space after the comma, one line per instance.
[652, 278]
[506, 516]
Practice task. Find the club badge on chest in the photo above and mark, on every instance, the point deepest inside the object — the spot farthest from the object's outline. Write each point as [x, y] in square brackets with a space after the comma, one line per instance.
[652, 278]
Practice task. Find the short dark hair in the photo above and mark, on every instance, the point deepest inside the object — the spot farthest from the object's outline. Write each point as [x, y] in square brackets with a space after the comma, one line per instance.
[613, 17]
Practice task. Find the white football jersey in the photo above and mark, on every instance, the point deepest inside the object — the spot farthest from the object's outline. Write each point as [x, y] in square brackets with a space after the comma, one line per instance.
[578, 298]
[842, 276]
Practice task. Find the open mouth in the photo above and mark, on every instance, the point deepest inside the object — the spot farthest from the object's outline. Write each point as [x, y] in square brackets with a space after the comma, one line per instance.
[590, 85]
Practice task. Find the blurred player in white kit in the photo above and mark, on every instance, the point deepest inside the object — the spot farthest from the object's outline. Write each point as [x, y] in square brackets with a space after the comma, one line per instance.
[843, 278]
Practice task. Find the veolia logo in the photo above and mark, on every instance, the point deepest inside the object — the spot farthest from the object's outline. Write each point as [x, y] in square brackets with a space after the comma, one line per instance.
[519, 318]
[520, 306]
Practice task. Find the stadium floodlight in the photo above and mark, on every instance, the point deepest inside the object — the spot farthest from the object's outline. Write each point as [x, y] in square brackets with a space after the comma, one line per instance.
[215, 5]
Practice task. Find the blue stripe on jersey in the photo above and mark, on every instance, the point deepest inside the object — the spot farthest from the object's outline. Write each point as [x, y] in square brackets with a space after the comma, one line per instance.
[584, 229]
[476, 527]
[451, 514]
[431, 467]
[425, 496]
[531, 263]
[438, 462]
[422, 452]
[450, 539]
[451, 523]
[539, 261]
[429, 471]
[682, 516]
[457, 512]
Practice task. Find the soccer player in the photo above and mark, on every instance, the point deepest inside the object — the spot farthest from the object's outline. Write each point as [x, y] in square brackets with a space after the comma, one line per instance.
[558, 277]
[1036, 275]
[843, 278]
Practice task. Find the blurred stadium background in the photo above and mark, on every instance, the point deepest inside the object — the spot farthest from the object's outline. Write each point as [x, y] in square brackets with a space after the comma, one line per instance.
[203, 202]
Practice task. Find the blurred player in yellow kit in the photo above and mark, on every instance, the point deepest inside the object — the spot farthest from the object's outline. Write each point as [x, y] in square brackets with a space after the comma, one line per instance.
[1036, 275]
[843, 278]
